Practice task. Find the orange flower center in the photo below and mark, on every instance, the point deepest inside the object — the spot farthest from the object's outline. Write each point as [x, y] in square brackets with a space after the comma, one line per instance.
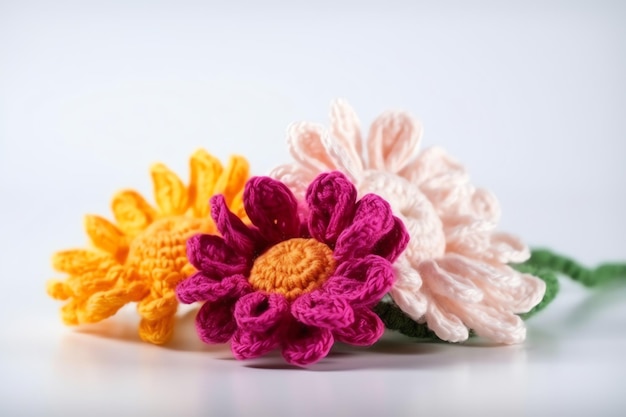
[161, 247]
[293, 267]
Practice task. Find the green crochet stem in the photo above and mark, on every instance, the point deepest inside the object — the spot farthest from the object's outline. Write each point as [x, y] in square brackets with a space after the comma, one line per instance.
[589, 277]
[543, 263]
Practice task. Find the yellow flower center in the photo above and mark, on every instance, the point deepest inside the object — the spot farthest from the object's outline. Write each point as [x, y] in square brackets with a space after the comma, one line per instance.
[293, 267]
[162, 246]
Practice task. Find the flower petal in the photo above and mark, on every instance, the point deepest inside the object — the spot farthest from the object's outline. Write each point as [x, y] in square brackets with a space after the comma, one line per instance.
[247, 344]
[96, 280]
[233, 178]
[441, 178]
[322, 310]
[331, 199]
[132, 213]
[362, 281]
[366, 329]
[306, 345]
[272, 207]
[343, 144]
[372, 222]
[456, 287]
[205, 170]
[212, 255]
[104, 304]
[80, 261]
[260, 312]
[106, 236]
[200, 287]
[406, 290]
[434, 164]
[215, 322]
[241, 238]
[446, 325]
[393, 243]
[484, 204]
[496, 325]
[506, 248]
[345, 130]
[169, 191]
[304, 141]
[520, 295]
[294, 176]
[393, 141]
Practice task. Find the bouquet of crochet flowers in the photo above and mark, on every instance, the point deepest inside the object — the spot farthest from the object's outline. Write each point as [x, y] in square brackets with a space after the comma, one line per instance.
[352, 237]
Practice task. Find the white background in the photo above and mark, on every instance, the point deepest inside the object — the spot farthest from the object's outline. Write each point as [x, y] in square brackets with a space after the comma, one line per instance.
[529, 95]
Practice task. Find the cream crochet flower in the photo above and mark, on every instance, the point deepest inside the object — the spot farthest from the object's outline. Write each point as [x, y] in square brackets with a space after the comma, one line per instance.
[454, 275]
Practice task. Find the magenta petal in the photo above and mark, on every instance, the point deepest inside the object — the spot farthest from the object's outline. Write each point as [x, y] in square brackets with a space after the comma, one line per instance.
[307, 345]
[215, 322]
[247, 345]
[366, 329]
[243, 239]
[373, 220]
[362, 281]
[261, 312]
[394, 242]
[200, 287]
[212, 255]
[331, 198]
[321, 310]
[271, 207]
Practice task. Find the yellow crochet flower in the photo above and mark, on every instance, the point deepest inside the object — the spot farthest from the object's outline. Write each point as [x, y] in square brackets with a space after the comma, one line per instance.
[142, 257]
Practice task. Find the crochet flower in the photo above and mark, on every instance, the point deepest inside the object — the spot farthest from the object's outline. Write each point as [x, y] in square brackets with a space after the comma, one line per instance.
[141, 258]
[454, 273]
[294, 283]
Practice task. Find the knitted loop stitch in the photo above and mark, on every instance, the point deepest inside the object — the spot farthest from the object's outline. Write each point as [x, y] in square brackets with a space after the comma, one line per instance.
[142, 257]
[292, 283]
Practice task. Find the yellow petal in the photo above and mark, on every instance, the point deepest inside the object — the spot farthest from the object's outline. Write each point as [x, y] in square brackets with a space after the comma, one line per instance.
[106, 303]
[132, 213]
[155, 308]
[233, 178]
[80, 261]
[106, 236]
[69, 313]
[95, 281]
[205, 172]
[169, 191]
[57, 290]
[157, 332]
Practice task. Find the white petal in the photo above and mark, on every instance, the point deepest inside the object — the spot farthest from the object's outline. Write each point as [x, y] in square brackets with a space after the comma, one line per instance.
[506, 248]
[519, 298]
[304, 141]
[294, 176]
[345, 128]
[434, 164]
[496, 325]
[393, 141]
[446, 325]
[456, 288]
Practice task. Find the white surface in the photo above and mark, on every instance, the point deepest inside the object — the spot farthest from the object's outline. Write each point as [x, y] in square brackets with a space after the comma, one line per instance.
[529, 95]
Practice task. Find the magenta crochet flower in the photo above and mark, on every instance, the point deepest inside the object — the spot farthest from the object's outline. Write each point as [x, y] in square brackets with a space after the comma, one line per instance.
[294, 281]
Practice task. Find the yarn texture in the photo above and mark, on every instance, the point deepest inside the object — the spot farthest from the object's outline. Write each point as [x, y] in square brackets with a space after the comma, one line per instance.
[544, 264]
[141, 257]
[293, 280]
[455, 274]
